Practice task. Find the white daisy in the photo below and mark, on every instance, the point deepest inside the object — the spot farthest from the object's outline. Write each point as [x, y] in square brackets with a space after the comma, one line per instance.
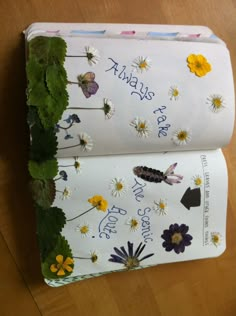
[86, 142]
[95, 256]
[92, 55]
[182, 136]
[66, 194]
[118, 187]
[133, 223]
[84, 229]
[77, 165]
[143, 127]
[141, 64]
[174, 93]
[108, 108]
[197, 180]
[216, 102]
[216, 239]
[160, 207]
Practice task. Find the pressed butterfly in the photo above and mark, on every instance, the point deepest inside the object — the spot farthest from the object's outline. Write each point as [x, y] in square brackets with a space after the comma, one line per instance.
[157, 176]
[87, 84]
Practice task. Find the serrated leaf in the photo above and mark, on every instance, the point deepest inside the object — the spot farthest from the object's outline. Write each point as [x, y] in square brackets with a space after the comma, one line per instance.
[44, 170]
[35, 71]
[51, 113]
[62, 248]
[47, 50]
[44, 144]
[56, 79]
[33, 117]
[38, 94]
[49, 225]
[43, 192]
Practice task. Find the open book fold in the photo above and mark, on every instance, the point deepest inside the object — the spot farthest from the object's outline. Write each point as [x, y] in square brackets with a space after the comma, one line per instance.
[125, 124]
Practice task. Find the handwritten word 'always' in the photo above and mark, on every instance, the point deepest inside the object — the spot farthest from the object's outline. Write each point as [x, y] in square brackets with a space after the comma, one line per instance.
[107, 225]
[142, 92]
[162, 128]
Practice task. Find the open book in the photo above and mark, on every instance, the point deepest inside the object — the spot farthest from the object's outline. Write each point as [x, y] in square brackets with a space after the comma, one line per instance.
[126, 122]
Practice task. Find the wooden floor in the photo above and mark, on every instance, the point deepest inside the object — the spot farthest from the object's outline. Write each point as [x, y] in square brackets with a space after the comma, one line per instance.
[205, 287]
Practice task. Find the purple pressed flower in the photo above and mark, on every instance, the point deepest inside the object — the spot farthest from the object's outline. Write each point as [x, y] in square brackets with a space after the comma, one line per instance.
[75, 118]
[176, 238]
[68, 136]
[129, 259]
[63, 175]
[169, 175]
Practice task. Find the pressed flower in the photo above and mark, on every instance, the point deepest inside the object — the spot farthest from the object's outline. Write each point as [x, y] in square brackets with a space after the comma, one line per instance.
[84, 229]
[86, 142]
[63, 175]
[141, 64]
[197, 180]
[216, 102]
[198, 64]
[143, 127]
[176, 238]
[66, 194]
[99, 202]
[174, 93]
[94, 256]
[216, 238]
[182, 136]
[130, 259]
[77, 165]
[92, 55]
[160, 207]
[108, 108]
[61, 266]
[133, 223]
[118, 187]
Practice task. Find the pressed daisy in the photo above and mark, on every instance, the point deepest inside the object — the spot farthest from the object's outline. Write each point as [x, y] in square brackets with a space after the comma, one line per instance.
[216, 238]
[143, 127]
[174, 93]
[66, 193]
[130, 259]
[86, 142]
[141, 64]
[108, 108]
[92, 55]
[197, 180]
[94, 256]
[133, 223]
[77, 165]
[61, 266]
[198, 64]
[160, 207]
[118, 187]
[99, 202]
[182, 136]
[216, 102]
[84, 229]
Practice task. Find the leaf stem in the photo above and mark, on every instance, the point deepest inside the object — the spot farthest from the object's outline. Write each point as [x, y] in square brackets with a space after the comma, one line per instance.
[68, 220]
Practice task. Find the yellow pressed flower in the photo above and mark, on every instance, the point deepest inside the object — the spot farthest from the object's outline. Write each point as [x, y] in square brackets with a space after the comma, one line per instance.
[61, 266]
[198, 64]
[99, 202]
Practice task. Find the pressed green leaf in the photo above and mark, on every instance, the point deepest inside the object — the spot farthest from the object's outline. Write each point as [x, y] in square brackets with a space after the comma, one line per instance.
[38, 94]
[49, 225]
[44, 170]
[43, 192]
[56, 79]
[47, 50]
[62, 248]
[35, 71]
[51, 113]
[33, 117]
[44, 143]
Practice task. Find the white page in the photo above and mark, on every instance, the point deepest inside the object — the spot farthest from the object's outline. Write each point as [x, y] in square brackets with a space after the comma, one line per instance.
[206, 213]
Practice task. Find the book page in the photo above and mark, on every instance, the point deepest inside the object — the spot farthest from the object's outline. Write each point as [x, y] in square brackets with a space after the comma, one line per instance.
[174, 204]
[137, 96]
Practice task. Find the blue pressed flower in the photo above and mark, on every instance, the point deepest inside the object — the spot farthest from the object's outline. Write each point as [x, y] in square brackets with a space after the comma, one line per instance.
[68, 120]
[129, 259]
[176, 238]
[63, 175]
[75, 118]
[68, 136]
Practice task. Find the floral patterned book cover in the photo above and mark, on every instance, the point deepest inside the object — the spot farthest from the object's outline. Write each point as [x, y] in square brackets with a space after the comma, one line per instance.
[125, 122]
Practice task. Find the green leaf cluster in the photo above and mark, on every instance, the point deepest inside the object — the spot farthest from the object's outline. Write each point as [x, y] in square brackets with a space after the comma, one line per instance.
[62, 248]
[43, 192]
[44, 170]
[47, 78]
